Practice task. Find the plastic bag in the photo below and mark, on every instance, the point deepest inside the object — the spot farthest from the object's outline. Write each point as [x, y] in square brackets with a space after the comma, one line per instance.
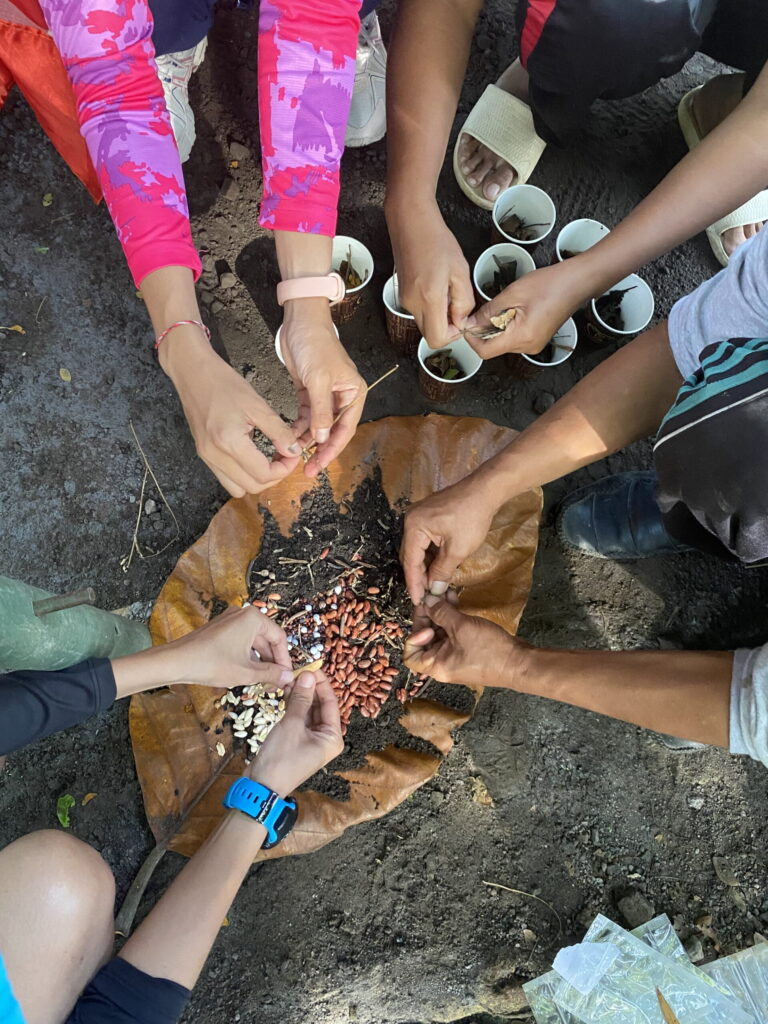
[745, 976]
[625, 990]
[183, 778]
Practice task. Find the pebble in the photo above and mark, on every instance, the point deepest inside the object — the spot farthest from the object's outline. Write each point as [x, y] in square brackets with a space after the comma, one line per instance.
[696, 802]
[238, 151]
[227, 280]
[483, 42]
[543, 402]
[636, 909]
[694, 949]
[70, 487]
[150, 506]
[230, 189]
[216, 306]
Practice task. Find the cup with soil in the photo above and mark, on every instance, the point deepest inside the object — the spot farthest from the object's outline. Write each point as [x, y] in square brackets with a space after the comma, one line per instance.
[354, 263]
[279, 347]
[499, 267]
[403, 332]
[523, 214]
[577, 237]
[442, 371]
[558, 349]
[621, 312]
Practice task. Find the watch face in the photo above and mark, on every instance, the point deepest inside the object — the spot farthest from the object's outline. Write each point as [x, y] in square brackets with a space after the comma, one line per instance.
[284, 823]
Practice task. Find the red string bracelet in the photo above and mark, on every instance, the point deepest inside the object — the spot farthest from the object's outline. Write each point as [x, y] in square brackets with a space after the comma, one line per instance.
[182, 323]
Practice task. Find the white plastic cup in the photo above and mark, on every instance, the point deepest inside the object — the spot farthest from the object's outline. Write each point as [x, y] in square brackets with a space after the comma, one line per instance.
[568, 337]
[485, 265]
[279, 347]
[532, 205]
[578, 236]
[637, 308]
[362, 261]
[402, 328]
[437, 389]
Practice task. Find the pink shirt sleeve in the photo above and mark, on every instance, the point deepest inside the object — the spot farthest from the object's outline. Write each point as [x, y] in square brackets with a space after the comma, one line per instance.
[106, 46]
[306, 74]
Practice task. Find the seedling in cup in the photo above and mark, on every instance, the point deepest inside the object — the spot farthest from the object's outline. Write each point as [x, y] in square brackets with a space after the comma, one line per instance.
[624, 310]
[558, 349]
[352, 260]
[523, 214]
[402, 329]
[498, 267]
[577, 237]
[443, 371]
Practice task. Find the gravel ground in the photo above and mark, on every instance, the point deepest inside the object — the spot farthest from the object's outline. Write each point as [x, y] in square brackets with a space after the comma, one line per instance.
[393, 923]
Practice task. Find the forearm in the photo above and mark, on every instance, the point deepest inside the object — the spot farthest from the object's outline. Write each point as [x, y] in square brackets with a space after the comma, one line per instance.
[422, 94]
[685, 202]
[174, 940]
[145, 670]
[169, 295]
[683, 693]
[622, 400]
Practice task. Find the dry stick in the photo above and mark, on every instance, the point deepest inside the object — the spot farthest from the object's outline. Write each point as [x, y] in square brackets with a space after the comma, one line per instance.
[530, 895]
[311, 448]
[135, 546]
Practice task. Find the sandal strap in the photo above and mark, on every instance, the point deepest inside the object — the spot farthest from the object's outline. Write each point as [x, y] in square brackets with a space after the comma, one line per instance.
[751, 212]
[504, 124]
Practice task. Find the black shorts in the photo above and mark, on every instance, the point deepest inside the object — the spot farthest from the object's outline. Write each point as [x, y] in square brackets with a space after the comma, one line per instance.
[577, 51]
[121, 994]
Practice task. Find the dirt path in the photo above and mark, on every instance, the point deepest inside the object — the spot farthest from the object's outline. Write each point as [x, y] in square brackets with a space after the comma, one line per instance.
[394, 922]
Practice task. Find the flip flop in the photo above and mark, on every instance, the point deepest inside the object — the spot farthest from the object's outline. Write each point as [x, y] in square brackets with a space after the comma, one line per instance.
[753, 211]
[504, 124]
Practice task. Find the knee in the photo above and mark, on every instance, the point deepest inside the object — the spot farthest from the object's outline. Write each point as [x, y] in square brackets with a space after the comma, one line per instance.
[68, 877]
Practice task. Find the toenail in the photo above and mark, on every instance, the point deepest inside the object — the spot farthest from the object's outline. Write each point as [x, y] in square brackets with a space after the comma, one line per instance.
[465, 168]
[492, 191]
[472, 181]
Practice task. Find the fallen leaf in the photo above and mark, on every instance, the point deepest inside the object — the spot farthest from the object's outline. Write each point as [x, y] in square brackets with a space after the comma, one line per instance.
[225, 923]
[480, 793]
[739, 901]
[87, 799]
[704, 924]
[234, 164]
[758, 937]
[42, 249]
[724, 871]
[14, 327]
[63, 805]
[65, 375]
[47, 198]
[529, 938]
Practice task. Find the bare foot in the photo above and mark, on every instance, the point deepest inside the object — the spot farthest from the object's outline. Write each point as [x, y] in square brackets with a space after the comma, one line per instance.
[711, 105]
[482, 167]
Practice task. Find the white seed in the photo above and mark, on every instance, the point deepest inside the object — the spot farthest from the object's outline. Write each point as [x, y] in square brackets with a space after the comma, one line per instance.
[221, 749]
[241, 734]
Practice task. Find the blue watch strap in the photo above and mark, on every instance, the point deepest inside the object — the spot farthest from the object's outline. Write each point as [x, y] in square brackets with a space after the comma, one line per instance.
[260, 803]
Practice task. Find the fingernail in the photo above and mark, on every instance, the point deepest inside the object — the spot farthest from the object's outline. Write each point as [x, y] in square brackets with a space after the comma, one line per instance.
[306, 680]
[438, 588]
[492, 191]
[295, 449]
[430, 600]
[322, 436]
[286, 677]
[472, 181]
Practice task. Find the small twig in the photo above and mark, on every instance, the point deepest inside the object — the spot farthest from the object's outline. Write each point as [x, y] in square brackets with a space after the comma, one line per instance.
[530, 895]
[311, 448]
[135, 546]
[37, 314]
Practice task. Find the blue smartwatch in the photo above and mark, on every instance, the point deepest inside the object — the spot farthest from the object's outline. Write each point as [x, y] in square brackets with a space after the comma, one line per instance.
[263, 805]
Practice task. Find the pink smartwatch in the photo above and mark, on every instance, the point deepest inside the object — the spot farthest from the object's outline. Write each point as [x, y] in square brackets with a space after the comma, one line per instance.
[330, 286]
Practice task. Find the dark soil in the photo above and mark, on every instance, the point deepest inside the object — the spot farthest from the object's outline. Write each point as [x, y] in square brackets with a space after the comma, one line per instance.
[392, 923]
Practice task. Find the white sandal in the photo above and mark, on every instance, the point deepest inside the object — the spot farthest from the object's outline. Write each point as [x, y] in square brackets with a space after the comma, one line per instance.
[504, 124]
[754, 211]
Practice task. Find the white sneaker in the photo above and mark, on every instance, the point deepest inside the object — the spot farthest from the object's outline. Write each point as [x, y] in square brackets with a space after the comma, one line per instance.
[368, 113]
[174, 71]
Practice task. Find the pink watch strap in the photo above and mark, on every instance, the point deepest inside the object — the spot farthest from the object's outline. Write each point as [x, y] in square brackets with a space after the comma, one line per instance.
[330, 287]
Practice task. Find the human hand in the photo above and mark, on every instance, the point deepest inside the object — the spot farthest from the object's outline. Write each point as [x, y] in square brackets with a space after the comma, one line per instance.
[443, 530]
[458, 648]
[326, 381]
[223, 410]
[307, 737]
[432, 273]
[240, 647]
[543, 300]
